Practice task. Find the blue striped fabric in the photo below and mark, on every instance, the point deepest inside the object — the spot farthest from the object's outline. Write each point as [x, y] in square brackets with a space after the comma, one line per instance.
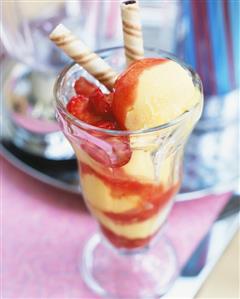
[219, 45]
[212, 42]
[234, 8]
[189, 46]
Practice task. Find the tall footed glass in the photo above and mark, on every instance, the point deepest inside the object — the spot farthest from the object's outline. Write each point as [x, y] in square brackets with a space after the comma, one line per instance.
[128, 180]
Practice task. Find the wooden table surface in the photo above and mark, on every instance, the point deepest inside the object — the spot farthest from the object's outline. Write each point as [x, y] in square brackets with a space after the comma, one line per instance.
[224, 280]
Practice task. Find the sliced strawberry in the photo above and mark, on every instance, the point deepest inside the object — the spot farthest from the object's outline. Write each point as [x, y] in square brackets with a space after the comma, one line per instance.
[77, 105]
[111, 151]
[90, 117]
[116, 151]
[101, 102]
[83, 87]
[96, 153]
[121, 151]
[92, 106]
[109, 98]
[106, 124]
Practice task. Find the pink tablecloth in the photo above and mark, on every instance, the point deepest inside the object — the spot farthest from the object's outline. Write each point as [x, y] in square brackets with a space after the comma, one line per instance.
[44, 231]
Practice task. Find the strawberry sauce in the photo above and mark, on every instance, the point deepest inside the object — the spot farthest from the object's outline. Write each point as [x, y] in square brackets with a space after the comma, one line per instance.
[153, 199]
[122, 242]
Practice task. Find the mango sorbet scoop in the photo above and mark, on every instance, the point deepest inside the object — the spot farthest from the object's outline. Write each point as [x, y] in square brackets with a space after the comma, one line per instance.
[151, 92]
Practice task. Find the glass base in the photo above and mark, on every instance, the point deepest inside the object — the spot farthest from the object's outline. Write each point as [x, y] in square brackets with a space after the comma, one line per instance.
[145, 274]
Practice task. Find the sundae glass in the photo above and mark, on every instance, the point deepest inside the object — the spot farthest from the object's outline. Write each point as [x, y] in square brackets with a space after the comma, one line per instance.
[129, 179]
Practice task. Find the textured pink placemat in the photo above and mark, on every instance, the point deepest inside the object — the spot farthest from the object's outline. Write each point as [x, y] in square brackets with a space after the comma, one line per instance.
[44, 230]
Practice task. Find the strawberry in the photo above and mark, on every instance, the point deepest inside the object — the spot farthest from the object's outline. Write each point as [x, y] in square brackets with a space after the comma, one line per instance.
[90, 117]
[83, 87]
[101, 102]
[96, 152]
[77, 105]
[121, 151]
[109, 98]
[106, 124]
[114, 151]
[92, 106]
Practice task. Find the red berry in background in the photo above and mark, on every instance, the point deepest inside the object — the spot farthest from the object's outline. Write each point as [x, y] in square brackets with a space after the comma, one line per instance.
[83, 87]
[102, 103]
[77, 105]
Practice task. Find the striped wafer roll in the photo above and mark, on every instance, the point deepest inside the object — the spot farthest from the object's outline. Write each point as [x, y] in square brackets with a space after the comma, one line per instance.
[80, 53]
[132, 32]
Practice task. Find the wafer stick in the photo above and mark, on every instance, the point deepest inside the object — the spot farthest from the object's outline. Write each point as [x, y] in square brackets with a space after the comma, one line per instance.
[81, 54]
[132, 31]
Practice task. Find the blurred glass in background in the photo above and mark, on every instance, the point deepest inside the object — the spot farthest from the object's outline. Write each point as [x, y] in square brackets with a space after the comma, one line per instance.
[26, 26]
[160, 23]
[28, 90]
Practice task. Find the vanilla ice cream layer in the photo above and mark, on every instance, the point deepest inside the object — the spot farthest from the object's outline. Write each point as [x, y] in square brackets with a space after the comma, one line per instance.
[147, 167]
[99, 196]
[141, 167]
[139, 230]
[83, 157]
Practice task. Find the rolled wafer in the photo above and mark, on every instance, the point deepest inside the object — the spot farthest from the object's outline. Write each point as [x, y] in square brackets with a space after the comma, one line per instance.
[81, 54]
[132, 31]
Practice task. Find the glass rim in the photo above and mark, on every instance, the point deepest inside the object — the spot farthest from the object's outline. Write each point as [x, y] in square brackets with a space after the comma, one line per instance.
[86, 126]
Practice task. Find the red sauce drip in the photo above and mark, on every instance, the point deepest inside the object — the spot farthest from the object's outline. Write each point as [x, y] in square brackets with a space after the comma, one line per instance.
[153, 197]
[125, 87]
[149, 208]
[122, 242]
[121, 184]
